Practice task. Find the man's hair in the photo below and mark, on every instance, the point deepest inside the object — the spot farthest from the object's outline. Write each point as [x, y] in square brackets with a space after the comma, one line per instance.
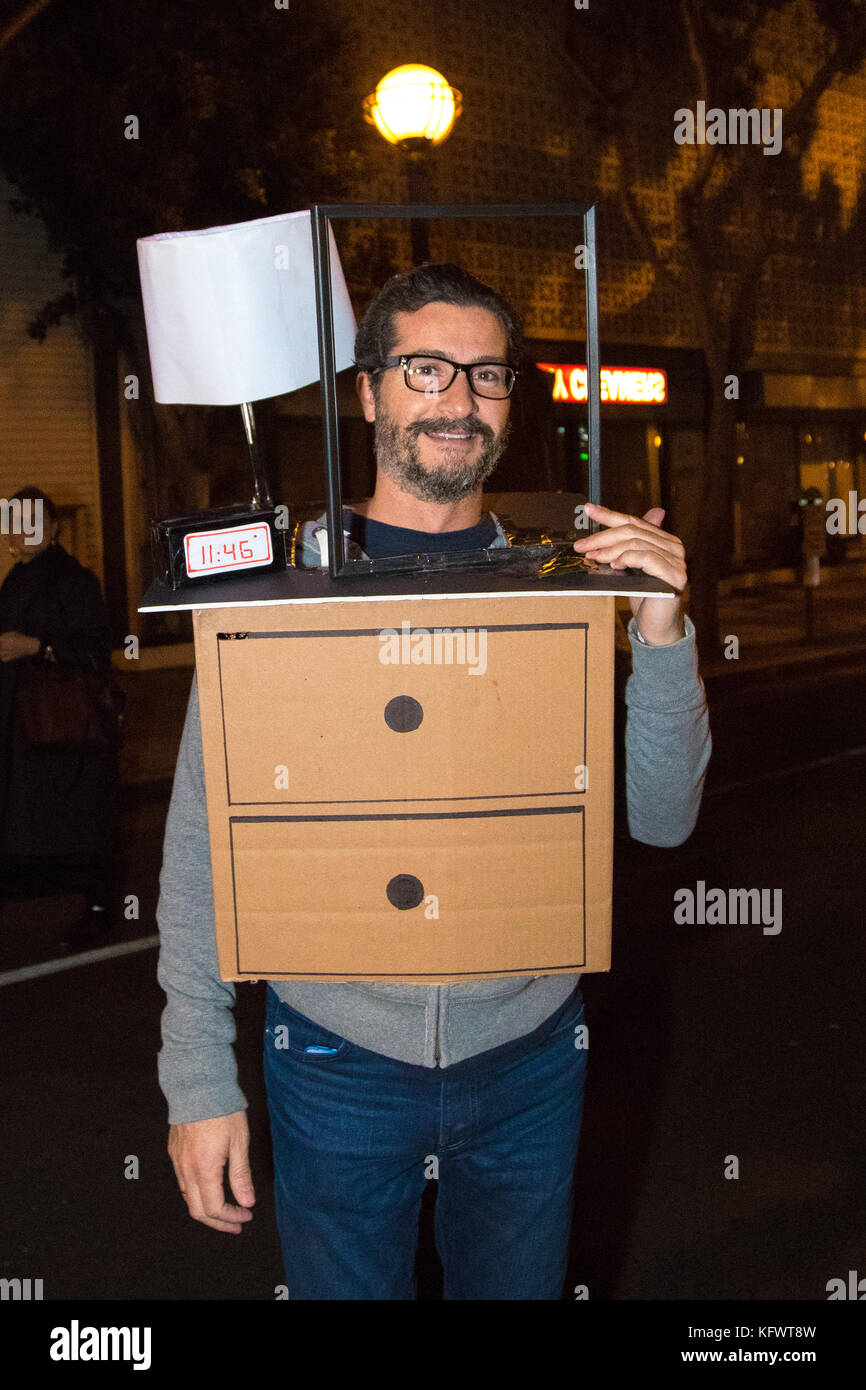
[428, 284]
[35, 494]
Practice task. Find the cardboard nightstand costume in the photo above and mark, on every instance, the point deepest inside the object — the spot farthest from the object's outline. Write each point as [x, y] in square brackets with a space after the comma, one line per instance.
[408, 763]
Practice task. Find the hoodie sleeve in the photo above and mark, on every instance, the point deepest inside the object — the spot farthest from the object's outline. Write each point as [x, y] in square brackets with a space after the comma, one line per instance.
[667, 740]
[197, 1066]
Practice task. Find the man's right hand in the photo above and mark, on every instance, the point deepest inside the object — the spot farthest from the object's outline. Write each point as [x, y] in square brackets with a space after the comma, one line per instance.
[199, 1152]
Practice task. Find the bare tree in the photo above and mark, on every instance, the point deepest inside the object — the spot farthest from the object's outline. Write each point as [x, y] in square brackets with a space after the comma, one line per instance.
[735, 208]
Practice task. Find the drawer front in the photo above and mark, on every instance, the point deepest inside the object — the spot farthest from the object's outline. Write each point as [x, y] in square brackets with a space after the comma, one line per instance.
[419, 894]
[423, 714]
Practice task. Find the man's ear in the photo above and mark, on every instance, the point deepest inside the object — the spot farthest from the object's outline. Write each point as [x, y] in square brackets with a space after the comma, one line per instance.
[364, 388]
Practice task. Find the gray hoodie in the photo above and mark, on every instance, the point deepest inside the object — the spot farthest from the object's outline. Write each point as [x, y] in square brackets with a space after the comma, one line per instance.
[668, 747]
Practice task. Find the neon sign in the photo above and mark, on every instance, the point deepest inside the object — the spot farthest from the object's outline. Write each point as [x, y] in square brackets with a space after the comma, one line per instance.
[619, 385]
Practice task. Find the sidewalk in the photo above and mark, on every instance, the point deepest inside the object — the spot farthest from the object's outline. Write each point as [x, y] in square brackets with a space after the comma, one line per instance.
[769, 621]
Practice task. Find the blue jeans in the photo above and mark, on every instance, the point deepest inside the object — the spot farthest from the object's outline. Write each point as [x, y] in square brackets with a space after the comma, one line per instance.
[357, 1135]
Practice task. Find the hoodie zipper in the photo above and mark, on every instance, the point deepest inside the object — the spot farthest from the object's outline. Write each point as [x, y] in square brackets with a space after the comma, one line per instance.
[438, 995]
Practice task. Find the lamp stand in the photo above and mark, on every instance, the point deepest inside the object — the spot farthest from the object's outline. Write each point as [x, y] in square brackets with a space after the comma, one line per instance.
[261, 491]
[223, 540]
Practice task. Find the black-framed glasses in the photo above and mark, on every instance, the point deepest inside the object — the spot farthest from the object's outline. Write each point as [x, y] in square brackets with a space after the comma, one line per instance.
[432, 375]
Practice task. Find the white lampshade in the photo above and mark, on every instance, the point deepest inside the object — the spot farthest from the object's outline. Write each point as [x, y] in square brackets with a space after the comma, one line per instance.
[231, 311]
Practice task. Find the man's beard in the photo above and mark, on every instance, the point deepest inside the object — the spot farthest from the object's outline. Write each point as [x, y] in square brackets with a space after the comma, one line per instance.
[399, 457]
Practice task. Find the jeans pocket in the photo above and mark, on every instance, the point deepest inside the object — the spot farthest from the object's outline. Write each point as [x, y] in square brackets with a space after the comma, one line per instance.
[573, 1015]
[292, 1033]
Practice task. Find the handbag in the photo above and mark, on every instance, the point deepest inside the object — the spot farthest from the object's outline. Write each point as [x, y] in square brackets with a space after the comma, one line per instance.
[63, 707]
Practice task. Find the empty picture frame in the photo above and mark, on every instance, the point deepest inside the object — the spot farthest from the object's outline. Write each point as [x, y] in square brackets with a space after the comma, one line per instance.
[323, 213]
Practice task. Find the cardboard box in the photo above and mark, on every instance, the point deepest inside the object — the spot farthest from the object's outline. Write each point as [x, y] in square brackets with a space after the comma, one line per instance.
[409, 789]
[406, 783]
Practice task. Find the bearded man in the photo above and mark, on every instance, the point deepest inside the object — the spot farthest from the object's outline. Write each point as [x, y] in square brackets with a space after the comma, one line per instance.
[378, 1080]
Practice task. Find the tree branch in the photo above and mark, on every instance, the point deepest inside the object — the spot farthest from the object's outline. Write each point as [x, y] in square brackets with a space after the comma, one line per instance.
[853, 42]
[707, 157]
[597, 93]
[14, 29]
[634, 216]
[695, 53]
[632, 213]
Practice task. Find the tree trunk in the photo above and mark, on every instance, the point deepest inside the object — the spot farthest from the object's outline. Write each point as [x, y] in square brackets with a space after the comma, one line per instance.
[712, 545]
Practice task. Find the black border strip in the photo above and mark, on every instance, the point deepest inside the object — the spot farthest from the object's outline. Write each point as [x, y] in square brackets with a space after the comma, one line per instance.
[419, 627]
[410, 800]
[421, 815]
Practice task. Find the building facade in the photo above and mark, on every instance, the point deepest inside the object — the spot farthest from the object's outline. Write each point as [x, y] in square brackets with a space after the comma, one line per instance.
[48, 414]
[523, 136]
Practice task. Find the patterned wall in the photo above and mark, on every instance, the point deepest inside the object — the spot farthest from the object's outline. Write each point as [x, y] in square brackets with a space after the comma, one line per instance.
[523, 136]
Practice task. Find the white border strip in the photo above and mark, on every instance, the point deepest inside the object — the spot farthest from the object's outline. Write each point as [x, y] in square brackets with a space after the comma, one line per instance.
[410, 598]
[52, 967]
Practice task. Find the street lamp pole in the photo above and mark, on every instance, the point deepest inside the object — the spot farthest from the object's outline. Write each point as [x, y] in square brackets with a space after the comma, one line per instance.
[413, 107]
[417, 181]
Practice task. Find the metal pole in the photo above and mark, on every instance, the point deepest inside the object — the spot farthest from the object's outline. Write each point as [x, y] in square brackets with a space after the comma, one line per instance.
[261, 491]
[809, 595]
[593, 371]
[328, 380]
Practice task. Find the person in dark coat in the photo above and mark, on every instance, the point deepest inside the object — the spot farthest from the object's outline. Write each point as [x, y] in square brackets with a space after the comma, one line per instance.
[56, 806]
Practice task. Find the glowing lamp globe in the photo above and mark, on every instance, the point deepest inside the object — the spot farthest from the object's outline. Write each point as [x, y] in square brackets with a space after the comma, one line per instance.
[413, 103]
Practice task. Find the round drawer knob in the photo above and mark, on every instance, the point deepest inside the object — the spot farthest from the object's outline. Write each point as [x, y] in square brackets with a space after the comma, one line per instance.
[403, 714]
[405, 891]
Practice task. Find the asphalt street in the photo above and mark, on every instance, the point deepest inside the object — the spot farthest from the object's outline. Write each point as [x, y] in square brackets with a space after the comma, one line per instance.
[707, 1043]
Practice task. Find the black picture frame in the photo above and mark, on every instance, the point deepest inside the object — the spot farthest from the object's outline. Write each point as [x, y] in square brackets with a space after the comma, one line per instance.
[321, 215]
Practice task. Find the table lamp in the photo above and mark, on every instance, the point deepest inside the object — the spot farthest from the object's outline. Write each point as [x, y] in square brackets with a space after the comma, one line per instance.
[230, 314]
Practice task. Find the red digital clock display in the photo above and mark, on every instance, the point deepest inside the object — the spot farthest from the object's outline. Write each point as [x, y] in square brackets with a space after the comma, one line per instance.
[234, 548]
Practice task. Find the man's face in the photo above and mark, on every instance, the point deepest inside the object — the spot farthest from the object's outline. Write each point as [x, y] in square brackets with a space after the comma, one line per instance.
[439, 447]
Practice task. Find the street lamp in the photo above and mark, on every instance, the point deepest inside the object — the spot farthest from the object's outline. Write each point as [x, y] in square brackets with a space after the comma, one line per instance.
[413, 107]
